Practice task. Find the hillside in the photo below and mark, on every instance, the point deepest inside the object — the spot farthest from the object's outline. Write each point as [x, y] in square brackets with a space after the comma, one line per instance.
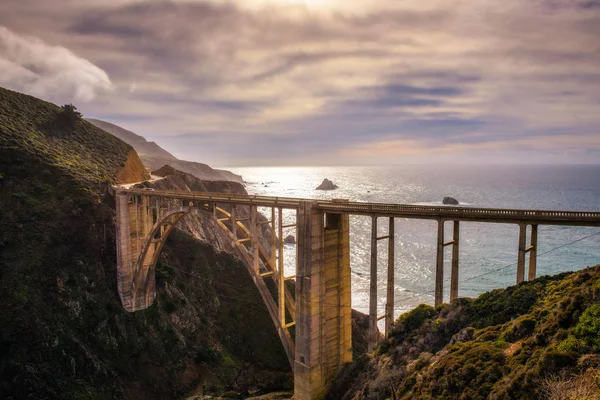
[141, 145]
[540, 339]
[84, 152]
[155, 157]
[63, 332]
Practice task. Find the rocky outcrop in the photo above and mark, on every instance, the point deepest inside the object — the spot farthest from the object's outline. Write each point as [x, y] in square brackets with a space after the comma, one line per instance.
[326, 185]
[289, 239]
[450, 201]
[179, 180]
[133, 171]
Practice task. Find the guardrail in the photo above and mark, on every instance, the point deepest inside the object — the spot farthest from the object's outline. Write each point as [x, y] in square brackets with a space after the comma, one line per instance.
[548, 217]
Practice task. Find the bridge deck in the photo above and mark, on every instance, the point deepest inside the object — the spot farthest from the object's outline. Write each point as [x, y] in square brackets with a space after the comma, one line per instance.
[495, 215]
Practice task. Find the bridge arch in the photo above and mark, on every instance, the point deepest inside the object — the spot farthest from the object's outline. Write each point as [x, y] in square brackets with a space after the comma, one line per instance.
[312, 316]
[144, 282]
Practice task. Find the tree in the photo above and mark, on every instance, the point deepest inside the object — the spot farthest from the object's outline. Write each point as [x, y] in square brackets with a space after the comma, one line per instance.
[69, 114]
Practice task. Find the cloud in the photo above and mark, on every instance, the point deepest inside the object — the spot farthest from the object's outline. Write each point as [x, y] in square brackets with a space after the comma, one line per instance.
[271, 81]
[52, 72]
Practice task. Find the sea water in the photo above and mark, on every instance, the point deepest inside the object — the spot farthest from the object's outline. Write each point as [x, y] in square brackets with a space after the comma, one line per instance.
[488, 251]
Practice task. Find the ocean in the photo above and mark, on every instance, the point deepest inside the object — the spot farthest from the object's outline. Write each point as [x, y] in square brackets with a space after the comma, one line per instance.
[488, 252]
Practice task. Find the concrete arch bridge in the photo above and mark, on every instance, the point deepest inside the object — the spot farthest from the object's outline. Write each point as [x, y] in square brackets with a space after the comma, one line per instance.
[318, 304]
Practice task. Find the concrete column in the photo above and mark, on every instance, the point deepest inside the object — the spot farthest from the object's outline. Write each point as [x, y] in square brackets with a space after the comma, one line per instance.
[439, 266]
[521, 256]
[124, 251]
[323, 309]
[454, 272]
[281, 271]
[273, 240]
[138, 245]
[373, 331]
[389, 305]
[533, 253]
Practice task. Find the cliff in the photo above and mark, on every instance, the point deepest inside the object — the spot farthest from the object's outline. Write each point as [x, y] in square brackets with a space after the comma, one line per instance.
[63, 332]
[154, 157]
[540, 339]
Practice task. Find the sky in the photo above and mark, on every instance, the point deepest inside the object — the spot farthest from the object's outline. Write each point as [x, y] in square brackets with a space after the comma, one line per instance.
[330, 82]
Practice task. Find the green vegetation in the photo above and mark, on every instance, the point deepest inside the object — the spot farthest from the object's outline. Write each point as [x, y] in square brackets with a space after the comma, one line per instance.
[58, 137]
[69, 115]
[588, 327]
[537, 339]
[63, 332]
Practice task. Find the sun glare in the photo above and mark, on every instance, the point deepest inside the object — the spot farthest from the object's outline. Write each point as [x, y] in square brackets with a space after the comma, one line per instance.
[309, 4]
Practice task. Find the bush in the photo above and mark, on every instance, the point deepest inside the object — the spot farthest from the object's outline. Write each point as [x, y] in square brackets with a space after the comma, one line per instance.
[163, 272]
[69, 115]
[588, 327]
[415, 318]
[571, 343]
[553, 361]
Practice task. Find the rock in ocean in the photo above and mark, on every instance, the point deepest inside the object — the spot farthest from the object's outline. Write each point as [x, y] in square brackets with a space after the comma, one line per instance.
[326, 185]
[450, 200]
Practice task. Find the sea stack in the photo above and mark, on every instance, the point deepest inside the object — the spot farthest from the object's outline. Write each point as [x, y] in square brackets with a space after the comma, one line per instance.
[289, 239]
[450, 201]
[326, 185]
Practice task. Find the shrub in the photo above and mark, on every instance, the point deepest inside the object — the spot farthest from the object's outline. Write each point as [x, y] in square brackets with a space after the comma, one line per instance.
[163, 272]
[69, 115]
[588, 327]
[553, 361]
[571, 343]
[415, 318]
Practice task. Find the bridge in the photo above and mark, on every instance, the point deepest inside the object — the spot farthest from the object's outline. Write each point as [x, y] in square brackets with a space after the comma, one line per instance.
[311, 310]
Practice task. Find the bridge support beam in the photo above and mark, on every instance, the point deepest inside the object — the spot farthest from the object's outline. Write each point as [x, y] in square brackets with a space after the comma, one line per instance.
[439, 266]
[125, 252]
[373, 331]
[389, 305]
[522, 251]
[454, 271]
[323, 306]
[533, 253]
[142, 228]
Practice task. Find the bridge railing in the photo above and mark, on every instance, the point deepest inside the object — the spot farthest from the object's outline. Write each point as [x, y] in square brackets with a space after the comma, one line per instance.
[401, 210]
[460, 212]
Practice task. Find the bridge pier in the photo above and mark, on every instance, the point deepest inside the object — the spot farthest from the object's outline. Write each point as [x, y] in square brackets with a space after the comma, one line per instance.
[439, 265]
[323, 304]
[533, 253]
[531, 249]
[373, 331]
[454, 271]
[389, 305]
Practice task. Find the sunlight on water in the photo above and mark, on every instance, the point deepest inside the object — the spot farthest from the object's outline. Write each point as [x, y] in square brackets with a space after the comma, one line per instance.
[484, 247]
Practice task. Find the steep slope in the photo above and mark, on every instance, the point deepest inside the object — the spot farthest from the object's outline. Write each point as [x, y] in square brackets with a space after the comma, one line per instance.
[155, 157]
[85, 152]
[540, 339]
[141, 145]
[63, 332]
